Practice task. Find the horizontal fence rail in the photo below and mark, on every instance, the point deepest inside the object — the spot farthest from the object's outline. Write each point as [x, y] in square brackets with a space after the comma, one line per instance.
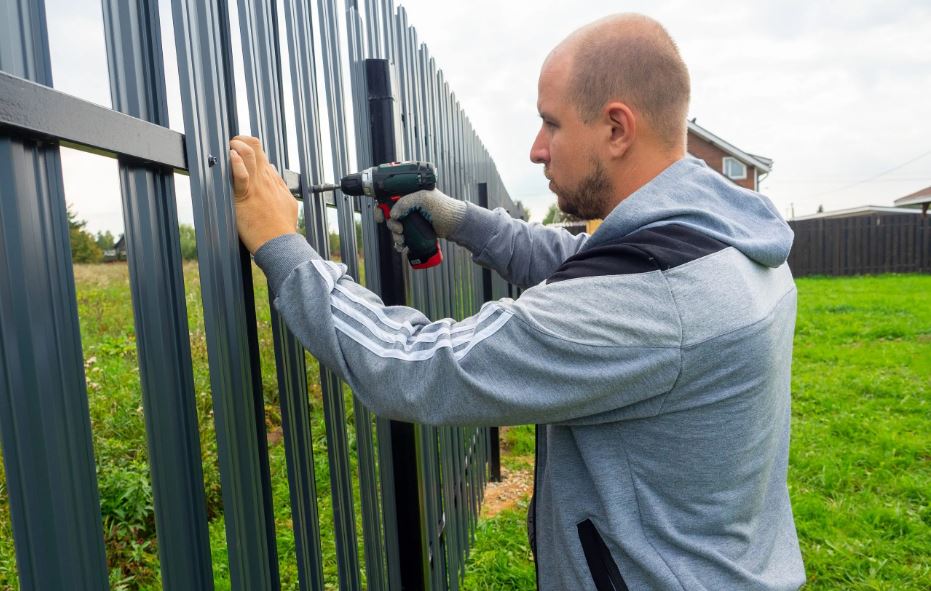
[363, 91]
[892, 243]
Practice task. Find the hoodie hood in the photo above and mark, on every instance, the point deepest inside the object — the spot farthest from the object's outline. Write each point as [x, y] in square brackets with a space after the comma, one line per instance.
[691, 194]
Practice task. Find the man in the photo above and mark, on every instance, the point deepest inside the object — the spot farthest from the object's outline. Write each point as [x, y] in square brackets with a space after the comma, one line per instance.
[655, 354]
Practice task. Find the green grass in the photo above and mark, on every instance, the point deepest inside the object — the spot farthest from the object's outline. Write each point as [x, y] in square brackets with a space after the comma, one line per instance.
[860, 472]
[860, 464]
[115, 402]
[500, 559]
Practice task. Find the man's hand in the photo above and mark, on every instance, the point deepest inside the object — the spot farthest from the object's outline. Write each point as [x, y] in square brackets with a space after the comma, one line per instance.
[265, 208]
[443, 212]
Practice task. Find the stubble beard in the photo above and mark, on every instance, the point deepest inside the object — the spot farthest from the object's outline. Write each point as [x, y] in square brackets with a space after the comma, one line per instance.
[586, 200]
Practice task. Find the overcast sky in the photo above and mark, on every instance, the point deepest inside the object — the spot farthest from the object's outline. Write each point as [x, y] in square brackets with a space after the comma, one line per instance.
[837, 93]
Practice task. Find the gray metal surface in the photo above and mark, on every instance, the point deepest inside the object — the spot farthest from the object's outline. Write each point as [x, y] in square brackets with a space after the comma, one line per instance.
[202, 40]
[32, 108]
[444, 468]
[150, 217]
[304, 90]
[372, 537]
[44, 422]
[258, 30]
[334, 408]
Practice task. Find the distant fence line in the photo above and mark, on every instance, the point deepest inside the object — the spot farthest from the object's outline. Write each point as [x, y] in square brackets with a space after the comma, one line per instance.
[420, 487]
[879, 243]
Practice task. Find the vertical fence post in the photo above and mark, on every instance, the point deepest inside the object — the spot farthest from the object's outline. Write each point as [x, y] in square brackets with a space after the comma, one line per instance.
[259, 27]
[408, 505]
[44, 419]
[494, 463]
[208, 98]
[137, 82]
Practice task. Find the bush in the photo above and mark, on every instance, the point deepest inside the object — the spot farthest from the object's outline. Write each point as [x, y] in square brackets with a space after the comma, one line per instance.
[188, 242]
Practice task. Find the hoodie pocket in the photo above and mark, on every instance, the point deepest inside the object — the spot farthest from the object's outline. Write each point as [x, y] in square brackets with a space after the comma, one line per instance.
[601, 564]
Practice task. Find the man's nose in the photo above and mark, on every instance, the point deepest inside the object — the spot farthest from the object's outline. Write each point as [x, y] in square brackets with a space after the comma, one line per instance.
[539, 151]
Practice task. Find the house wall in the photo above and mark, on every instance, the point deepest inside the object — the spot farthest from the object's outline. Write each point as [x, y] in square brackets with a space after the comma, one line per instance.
[714, 157]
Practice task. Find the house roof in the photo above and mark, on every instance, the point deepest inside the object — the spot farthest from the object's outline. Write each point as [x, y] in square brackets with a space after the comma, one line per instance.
[915, 199]
[761, 163]
[854, 212]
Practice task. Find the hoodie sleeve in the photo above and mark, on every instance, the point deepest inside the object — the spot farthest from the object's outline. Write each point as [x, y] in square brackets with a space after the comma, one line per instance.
[551, 356]
[524, 254]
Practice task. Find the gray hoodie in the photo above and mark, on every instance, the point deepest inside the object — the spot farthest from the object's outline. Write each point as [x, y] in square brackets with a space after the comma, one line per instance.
[654, 355]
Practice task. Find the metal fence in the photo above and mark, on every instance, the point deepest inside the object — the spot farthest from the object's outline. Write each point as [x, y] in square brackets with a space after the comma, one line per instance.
[891, 243]
[420, 486]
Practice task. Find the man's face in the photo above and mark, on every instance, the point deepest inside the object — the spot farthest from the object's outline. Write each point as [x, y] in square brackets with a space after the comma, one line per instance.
[568, 148]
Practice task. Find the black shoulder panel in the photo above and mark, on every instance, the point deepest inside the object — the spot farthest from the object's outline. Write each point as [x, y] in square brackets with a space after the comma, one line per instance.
[659, 248]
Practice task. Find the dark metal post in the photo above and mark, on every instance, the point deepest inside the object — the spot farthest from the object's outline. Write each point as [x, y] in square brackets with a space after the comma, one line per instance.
[205, 71]
[408, 504]
[137, 83]
[44, 420]
[262, 63]
[494, 460]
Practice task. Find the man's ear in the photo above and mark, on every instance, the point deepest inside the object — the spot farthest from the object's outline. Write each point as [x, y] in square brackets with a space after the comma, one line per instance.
[623, 127]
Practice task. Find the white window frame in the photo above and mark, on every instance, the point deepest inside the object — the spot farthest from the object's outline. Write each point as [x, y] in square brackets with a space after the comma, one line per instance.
[724, 164]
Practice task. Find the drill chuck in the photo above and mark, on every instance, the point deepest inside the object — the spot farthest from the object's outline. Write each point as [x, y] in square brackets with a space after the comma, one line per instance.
[353, 184]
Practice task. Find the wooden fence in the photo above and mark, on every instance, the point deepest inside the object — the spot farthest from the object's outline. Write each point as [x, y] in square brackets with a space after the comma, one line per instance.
[882, 243]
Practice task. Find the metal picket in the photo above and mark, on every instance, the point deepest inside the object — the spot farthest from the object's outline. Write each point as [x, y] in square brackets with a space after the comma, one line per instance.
[420, 487]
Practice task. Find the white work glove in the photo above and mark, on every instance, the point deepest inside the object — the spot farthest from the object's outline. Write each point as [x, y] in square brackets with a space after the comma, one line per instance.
[443, 212]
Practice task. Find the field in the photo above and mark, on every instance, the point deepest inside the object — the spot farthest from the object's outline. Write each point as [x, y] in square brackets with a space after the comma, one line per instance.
[860, 473]
[860, 464]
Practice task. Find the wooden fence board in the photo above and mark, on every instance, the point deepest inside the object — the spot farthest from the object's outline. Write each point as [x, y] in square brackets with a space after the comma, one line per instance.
[882, 243]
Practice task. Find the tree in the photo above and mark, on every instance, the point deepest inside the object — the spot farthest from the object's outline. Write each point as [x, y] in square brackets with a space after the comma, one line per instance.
[188, 242]
[555, 216]
[105, 240]
[84, 248]
[334, 240]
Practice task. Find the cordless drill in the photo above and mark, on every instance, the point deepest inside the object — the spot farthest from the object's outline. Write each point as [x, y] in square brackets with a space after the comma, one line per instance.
[387, 183]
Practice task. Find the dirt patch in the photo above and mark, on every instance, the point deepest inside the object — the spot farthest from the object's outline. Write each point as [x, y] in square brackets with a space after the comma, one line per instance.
[274, 436]
[515, 485]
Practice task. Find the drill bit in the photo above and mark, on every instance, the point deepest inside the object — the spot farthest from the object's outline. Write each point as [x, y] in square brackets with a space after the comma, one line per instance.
[324, 188]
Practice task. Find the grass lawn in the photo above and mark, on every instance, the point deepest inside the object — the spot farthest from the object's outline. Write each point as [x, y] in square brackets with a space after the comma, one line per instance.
[860, 465]
[860, 472]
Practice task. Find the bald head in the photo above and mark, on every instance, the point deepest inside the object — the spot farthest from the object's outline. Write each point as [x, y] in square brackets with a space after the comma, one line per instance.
[632, 59]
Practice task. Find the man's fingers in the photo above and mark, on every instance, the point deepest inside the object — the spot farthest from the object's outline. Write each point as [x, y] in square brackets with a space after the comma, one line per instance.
[246, 153]
[260, 158]
[395, 226]
[240, 175]
[409, 202]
